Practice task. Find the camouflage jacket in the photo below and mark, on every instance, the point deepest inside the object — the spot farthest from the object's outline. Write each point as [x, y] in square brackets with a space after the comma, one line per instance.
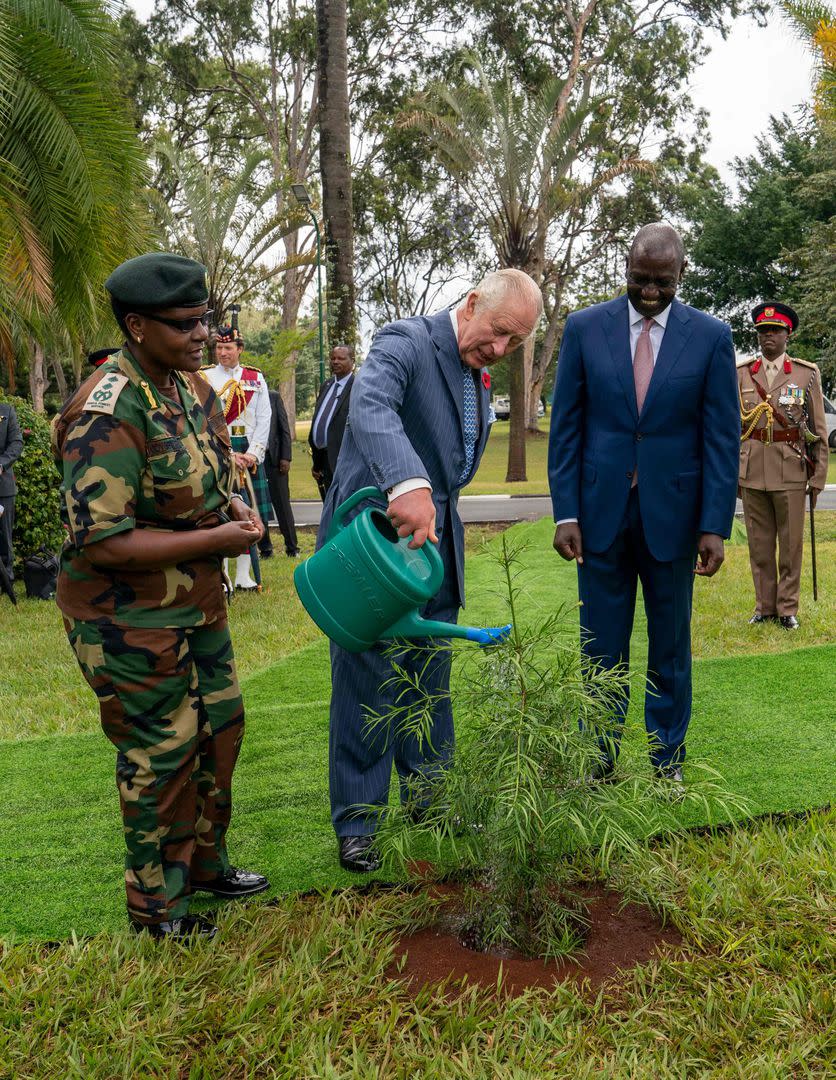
[131, 458]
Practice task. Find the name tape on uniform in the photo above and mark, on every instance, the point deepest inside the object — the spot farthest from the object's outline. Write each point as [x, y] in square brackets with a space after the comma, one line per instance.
[105, 394]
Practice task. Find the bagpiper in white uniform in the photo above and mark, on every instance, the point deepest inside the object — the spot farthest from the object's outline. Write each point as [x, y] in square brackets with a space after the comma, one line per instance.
[244, 394]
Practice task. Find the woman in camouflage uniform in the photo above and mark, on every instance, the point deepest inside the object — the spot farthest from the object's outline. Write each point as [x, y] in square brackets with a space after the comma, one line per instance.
[145, 458]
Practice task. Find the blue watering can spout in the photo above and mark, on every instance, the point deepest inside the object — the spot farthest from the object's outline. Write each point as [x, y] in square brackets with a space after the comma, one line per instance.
[412, 625]
[488, 635]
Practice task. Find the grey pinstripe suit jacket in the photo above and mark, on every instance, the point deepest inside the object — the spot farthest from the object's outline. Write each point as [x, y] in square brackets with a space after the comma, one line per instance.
[406, 419]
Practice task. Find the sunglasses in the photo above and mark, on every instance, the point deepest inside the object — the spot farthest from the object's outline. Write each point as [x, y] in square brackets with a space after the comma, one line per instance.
[185, 326]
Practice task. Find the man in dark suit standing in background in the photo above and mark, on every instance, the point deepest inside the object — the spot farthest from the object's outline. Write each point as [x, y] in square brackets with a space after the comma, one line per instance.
[643, 458]
[277, 467]
[329, 417]
[11, 446]
[418, 425]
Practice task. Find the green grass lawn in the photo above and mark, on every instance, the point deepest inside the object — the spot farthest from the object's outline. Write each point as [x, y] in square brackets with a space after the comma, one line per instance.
[763, 716]
[298, 988]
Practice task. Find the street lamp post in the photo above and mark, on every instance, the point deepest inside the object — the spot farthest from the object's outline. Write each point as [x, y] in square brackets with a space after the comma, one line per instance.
[300, 193]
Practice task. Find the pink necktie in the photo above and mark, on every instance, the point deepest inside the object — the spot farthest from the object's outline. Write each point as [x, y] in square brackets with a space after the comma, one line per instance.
[643, 363]
[642, 372]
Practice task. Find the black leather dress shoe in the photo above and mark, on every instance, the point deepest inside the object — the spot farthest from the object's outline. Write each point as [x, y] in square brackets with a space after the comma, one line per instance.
[266, 554]
[234, 885]
[602, 772]
[758, 618]
[189, 927]
[356, 854]
[673, 775]
[789, 622]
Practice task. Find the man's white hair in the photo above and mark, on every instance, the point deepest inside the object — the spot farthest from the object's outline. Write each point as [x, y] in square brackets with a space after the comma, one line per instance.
[500, 285]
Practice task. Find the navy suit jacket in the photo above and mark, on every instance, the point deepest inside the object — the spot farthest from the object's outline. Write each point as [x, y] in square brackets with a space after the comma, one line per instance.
[330, 452]
[406, 420]
[11, 447]
[686, 442]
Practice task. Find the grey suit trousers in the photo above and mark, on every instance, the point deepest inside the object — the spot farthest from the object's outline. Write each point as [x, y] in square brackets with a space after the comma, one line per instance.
[360, 763]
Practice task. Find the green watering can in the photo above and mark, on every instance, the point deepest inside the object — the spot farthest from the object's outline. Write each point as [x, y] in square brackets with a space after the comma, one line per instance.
[365, 584]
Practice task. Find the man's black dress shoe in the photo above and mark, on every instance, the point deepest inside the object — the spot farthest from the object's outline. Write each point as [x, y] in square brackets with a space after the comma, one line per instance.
[789, 622]
[356, 856]
[188, 927]
[234, 884]
[673, 774]
[601, 773]
[758, 618]
[266, 554]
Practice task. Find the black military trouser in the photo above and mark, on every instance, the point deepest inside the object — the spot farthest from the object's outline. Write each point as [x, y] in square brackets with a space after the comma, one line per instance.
[280, 497]
[6, 523]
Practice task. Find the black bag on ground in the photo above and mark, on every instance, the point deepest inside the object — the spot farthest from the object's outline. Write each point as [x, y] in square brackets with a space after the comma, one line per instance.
[40, 575]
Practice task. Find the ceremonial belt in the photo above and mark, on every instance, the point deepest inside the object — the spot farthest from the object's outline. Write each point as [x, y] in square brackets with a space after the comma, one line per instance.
[789, 435]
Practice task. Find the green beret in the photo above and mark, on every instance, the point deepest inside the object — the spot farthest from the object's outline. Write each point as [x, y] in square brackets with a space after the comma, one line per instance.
[158, 280]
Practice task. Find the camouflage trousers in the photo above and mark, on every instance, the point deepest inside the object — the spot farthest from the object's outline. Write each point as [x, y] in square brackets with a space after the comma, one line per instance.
[171, 705]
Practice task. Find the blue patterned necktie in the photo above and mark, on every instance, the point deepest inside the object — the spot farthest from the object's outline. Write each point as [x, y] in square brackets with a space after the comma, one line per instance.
[323, 421]
[471, 423]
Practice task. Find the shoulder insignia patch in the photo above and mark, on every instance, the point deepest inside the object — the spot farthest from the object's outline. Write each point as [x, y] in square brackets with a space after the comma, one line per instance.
[104, 395]
[804, 363]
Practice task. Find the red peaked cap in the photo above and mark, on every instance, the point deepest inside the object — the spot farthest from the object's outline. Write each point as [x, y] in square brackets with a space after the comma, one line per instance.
[774, 314]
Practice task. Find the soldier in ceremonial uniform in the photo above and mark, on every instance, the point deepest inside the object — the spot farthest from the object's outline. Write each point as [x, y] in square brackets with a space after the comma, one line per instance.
[146, 464]
[783, 455]
[246, 403]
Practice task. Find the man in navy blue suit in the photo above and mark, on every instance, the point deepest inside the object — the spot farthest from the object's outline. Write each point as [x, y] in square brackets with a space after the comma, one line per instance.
[417, 426]
[643, 459]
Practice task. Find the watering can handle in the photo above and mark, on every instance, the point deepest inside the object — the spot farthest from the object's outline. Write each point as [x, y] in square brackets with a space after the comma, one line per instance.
[345, 508]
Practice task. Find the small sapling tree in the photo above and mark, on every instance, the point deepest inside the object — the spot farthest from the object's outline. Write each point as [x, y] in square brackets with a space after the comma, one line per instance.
[518, 797]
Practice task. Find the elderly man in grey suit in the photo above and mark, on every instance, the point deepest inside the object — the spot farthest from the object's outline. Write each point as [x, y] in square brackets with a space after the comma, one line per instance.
[417, 427]
[11, 447]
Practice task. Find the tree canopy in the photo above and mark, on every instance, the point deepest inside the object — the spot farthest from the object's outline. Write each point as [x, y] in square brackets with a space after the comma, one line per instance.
[70, 172]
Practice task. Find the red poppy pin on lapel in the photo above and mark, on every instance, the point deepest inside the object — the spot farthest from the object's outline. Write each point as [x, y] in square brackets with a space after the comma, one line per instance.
[486, 380]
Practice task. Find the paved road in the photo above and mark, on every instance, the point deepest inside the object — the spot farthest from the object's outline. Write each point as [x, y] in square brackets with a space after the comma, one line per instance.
[484, 508]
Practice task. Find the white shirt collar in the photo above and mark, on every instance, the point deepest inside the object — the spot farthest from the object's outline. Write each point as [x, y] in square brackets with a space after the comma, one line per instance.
[342, 381]
[661, 319]
[454, 319]
[232, 373]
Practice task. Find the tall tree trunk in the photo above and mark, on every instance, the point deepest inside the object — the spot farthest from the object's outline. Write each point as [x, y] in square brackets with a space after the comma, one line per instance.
[547, 352]
[37, 376]
[335, 166]
[530, 399]
[516, 437]
[291, 300]
[60, 378]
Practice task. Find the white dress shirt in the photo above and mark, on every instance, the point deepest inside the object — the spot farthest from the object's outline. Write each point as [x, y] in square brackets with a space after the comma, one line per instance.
[657, 332]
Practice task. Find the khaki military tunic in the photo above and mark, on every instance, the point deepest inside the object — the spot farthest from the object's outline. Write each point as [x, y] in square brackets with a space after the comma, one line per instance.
[773, 475]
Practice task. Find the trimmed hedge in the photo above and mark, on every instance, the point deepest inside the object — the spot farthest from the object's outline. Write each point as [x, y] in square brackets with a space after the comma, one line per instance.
[38, 501]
